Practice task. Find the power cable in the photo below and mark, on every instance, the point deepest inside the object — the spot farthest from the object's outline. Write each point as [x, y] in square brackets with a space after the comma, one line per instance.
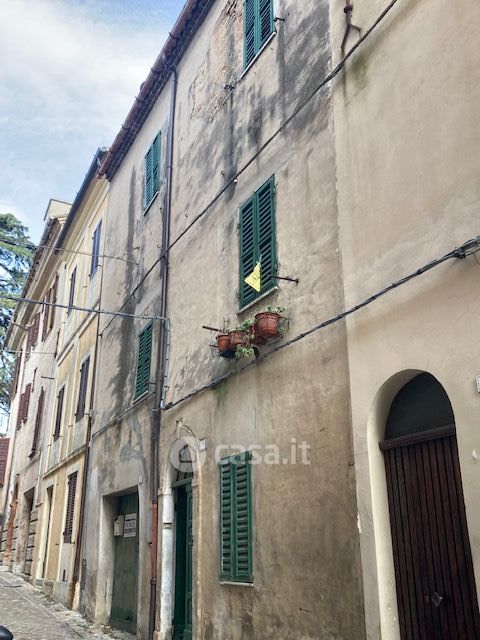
[466, 249]
[325, 81]
[76, 308]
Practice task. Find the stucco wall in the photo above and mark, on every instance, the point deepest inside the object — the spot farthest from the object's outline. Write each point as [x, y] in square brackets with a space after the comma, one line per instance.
[408, 155]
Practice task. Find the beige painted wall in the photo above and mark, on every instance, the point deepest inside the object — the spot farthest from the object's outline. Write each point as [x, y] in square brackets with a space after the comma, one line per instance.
[408, 157]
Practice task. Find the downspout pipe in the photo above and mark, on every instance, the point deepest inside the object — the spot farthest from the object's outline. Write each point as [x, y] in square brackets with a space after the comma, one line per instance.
[162, 359]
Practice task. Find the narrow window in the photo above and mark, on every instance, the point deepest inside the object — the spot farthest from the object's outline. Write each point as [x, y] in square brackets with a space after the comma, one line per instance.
[236, 518]
[53, 299]
[97, 234]
[72, 488]
[257, 240]
[58, 416]
[71, 296]
[258, 26]
[82, 390]
[26, 402]
[16, 375]
[4, 445]
[46, 314]
[152, 171]
[142, 381]
[38, 422]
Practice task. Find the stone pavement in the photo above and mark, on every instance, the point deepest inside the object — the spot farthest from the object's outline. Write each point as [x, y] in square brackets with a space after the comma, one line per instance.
[30, 615]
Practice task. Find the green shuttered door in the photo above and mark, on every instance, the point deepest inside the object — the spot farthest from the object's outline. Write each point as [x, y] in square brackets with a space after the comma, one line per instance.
[142, 381]
[236, 519]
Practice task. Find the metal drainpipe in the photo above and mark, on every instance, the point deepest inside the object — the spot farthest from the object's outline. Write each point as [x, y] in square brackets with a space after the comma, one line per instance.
[86, 463]
[162, 355]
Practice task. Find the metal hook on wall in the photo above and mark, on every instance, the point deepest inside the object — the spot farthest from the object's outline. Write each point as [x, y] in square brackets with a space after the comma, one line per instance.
[347, 10]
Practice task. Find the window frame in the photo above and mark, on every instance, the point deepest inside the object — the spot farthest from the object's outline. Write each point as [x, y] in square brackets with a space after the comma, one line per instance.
[258, 43]
[140, 392]
[236, 576]
[80, 411]
[245, 302]
[71, 293]
[96, 240]
[147, 201]
[72, 480]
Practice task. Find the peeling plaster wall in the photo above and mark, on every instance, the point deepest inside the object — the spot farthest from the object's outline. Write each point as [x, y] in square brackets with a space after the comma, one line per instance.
[408, 159]
[306, 552]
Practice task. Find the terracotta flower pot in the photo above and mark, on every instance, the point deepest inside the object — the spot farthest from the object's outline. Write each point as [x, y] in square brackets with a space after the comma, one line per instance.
[223, 342]
[236, 338]
[267, 326]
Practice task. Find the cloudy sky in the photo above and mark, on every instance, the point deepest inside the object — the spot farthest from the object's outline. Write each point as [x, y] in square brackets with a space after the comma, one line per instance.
[69, 71]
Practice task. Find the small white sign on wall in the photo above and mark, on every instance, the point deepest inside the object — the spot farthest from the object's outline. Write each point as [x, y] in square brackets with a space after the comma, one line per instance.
[130, 526]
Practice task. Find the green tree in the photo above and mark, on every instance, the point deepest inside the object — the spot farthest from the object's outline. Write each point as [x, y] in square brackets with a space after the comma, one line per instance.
[16, 253]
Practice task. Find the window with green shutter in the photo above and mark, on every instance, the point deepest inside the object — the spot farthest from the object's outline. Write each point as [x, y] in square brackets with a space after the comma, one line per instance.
[236, 518]
[257, 239]
[258, 26]
[142, 381]
[152, 171]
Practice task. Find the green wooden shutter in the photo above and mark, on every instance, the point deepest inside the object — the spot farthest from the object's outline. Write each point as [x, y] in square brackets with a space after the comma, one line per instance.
[226, 523]
[265, 21]
[156, 165]
[236, 519]
[248, 252]
[58, 417]
[243, 520]
[257, 238]
[249, 31]
[142, 380]
[266, 234]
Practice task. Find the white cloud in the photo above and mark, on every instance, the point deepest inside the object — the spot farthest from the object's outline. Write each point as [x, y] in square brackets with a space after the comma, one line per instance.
[69, 72]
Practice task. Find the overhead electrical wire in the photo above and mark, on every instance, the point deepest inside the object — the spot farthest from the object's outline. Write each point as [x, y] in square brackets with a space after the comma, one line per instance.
[324, 82]
[470, 247]
[76, 308]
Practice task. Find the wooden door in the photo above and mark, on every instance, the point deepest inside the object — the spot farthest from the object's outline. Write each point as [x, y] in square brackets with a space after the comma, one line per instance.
[436, 593]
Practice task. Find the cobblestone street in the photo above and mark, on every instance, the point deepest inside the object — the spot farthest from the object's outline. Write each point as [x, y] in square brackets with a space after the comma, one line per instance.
[30, 615]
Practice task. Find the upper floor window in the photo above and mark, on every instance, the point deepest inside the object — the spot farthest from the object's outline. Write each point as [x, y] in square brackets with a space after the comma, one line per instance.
[82, 390]
[257, 242]
[58, 416]
[142, 381]
[97, 234]
[258, 26]
[71, 295]
[152, 171]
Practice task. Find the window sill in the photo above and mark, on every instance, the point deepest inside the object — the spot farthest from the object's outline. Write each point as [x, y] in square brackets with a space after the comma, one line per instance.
[232, 583]
[257, 55]
[148, 206]
[257, 300]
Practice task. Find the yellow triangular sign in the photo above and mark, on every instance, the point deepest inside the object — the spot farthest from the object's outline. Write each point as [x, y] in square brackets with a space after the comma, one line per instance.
[253, 280]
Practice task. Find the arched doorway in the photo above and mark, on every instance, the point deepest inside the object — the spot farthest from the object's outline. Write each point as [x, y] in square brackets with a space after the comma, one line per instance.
[435, 584]
[182, 488]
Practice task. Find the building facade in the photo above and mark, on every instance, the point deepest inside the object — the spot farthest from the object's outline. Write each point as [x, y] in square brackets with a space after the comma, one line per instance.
[33, 337]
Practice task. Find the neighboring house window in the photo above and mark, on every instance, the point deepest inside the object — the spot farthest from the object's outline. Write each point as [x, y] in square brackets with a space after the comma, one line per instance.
[53, 299]
[38, 422]
[257, 239]
[58, 416]
[258, 26]
[142, 381]
[152, 171]
[71, 297]
[82, 390]
[33, 330]
[72, 489]
[26, 402]
[236, 518]
[4, 444]
[46, 314]
[16, 375]
[97, 234]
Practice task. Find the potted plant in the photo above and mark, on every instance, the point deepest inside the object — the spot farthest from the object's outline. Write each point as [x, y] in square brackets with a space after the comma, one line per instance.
[268, 324]
[223, 342]
[244, 351]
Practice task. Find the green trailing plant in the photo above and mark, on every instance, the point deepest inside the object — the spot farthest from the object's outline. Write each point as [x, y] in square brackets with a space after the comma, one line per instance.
[246, 325]
[244, 351]
[278, 310]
